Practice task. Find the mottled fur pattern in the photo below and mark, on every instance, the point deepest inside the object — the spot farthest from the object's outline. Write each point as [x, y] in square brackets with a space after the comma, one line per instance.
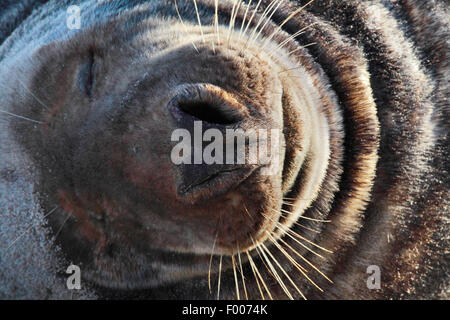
[379, 74]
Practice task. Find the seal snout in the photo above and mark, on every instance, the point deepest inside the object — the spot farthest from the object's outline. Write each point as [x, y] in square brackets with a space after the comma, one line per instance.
[223, 146]
[215, 157]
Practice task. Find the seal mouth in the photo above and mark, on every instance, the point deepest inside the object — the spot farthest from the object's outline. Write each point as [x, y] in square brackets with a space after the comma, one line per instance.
[221, 181]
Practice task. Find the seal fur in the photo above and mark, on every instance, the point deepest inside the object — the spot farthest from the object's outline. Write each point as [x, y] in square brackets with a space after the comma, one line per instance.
[380, 76]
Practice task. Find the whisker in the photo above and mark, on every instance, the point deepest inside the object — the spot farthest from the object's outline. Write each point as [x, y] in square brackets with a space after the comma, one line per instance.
[235, 276]
[33, 95]
[308, 218]
[269, 7]
[253, 15]
[284, 272]
[242, 274]
[220, 274]
[29, 228]
[213, 46]
[304, 227]
[199, 21]
[267, 20]
[184, 26]
[309, 241]
[301, 237]
[287, 232]
[262, 260]
[293, 36]
[301, 225]
[293, 14]
[258, 275]
[210, 263]
[295, 263]
[302, 244]
[275, 273]
[245, 17]
[20, 117]
[234, 13]
[216, 20]
[302, 47]
[306, 260]
[272, 239]
[62, 225]
[254, 274]
[248, 213]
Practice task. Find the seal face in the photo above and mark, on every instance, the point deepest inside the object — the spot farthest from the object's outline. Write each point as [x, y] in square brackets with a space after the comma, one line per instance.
[146, 126]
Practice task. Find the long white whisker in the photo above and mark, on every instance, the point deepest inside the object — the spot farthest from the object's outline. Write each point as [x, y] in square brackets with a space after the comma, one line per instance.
[302, 47]
[33, 95]
[184, 26]
[216, 20]
[234, 14]
[251, 18]
[233, 262]
[199, 20]
[302, 226]
[291, 37]
[231, 18]
[287, 20]
[257, 275]
[210, 263]
[287, 232]
[220, 274]
[242, 274]
[267, 20]
[29, 228]
[275, 273]
[282, 270]
[307, 240]
[304, 259]
[19, 117]
[254, 273]
[274, 241]
[62, 225]
[295, 263]
[245, 17]
[308, 218]
[261, 19]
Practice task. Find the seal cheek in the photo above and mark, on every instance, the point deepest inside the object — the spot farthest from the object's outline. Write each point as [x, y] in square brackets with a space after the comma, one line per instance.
[86, 74]
[71, 206]
[153, 180]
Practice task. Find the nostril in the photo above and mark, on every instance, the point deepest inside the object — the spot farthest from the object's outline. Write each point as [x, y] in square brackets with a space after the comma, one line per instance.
[207, 103]
[207, 111]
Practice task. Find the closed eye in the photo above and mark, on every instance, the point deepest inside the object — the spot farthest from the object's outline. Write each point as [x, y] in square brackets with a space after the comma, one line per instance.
[86, 76]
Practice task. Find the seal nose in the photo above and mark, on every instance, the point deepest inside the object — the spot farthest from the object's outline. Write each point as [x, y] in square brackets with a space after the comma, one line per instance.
[205, 113]
[207, 103]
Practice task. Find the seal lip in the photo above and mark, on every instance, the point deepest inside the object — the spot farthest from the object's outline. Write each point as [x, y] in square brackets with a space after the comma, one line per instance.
[216, 184]
[208, 180]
